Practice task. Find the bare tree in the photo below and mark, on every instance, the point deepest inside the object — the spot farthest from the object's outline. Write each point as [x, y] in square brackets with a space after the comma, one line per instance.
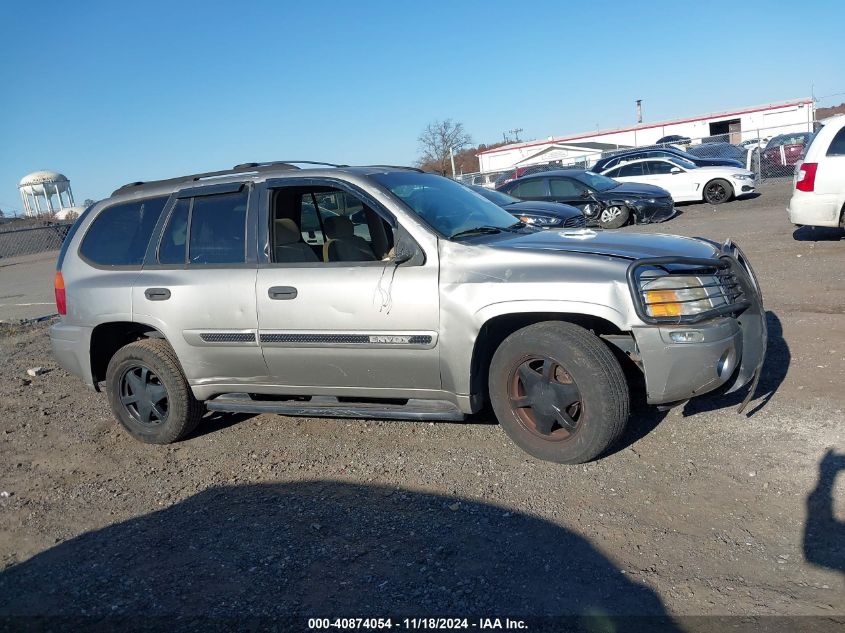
[436, 140]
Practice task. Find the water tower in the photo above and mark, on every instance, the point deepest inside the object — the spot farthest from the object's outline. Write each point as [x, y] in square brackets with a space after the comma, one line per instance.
[46, 192]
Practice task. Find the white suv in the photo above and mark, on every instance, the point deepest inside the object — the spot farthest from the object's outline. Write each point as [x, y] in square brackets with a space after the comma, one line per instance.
[819, 195]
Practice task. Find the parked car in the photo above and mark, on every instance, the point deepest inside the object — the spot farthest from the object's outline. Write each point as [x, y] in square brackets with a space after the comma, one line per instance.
[755, 143]
[720, 150]
[540, 214]
[604, 201]
[523, 170]
[685, 181]
[782, 153]
[674, 139]
[818, 198]
[606, 163]
[198, 293]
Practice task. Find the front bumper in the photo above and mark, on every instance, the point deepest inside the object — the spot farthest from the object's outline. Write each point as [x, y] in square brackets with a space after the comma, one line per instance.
[742, 186]
[71, 345]
[727, 347]
[649, 212]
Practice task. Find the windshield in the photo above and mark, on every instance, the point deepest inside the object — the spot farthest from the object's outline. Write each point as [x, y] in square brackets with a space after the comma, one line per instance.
[595, 181]
[446, 206]
[496, 197]
[682, 162]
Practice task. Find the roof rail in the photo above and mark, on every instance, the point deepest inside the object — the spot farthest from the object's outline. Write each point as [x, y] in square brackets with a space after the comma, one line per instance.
[245, 167]
[417, 169]
[237, 169]
[290, 163]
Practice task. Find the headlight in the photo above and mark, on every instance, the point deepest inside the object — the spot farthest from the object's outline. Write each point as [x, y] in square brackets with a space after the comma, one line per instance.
[742, 176]
[540, 220]
[681, 295]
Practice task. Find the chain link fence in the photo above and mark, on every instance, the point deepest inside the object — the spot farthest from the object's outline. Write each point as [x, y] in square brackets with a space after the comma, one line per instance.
[27, 236]
[767, 152]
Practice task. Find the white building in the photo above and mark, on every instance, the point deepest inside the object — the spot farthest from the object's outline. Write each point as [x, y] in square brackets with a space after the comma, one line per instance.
[735, 126]
[47, 193]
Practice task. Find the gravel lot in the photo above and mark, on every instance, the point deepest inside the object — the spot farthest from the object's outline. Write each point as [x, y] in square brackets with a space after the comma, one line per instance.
[699, 511]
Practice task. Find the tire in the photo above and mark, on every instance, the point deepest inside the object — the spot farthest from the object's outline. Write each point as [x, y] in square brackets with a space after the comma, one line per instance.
[614, 216]
[585, 394]
[166, 410]
[718, 191]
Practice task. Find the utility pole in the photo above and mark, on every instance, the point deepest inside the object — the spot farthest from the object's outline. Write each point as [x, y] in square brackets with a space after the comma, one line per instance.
[452, 158]
[639, 110]
[507, 138]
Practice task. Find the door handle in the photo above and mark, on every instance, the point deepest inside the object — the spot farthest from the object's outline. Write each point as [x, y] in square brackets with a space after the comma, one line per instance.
[282, 292]
[157, 294]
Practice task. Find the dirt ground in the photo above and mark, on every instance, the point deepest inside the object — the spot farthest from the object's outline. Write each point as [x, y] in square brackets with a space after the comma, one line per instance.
[698, 511]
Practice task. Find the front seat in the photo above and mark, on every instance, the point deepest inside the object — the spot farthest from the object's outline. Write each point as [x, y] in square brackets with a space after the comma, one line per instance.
[289, 247]
[343, 245]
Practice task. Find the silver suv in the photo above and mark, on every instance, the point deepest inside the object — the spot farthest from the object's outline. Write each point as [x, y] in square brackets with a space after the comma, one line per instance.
[385, 292]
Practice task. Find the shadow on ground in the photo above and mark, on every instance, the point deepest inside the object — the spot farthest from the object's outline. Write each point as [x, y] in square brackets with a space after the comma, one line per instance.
[326, 548]
[818, 234]
[824, 534]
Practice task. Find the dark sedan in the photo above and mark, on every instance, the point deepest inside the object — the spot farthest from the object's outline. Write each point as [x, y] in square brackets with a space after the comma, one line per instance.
[541, 214]
[603, 164]
[604, 201]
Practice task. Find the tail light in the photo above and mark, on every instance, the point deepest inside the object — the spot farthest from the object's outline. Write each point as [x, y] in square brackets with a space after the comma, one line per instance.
[61, 299]
[806, 177]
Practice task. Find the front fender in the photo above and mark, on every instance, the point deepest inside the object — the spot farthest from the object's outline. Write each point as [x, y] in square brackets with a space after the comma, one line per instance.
[459, 336]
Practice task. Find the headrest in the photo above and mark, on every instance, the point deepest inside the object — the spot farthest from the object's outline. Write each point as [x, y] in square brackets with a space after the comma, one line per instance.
[287, 232]
[339, 227]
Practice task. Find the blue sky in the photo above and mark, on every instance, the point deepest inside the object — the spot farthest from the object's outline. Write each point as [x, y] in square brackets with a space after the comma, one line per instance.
[109, 93]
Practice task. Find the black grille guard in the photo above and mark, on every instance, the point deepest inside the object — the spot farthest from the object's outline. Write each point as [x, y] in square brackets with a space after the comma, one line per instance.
[747, 305]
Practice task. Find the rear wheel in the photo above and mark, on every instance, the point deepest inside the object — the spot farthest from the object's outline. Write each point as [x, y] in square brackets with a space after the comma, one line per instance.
[614, 217]
[148, 393]
[558, 392]
[718, 191]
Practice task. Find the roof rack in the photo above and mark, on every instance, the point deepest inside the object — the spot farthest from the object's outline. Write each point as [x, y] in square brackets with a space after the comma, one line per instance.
[237, 169]
[292, 164]
[417, 169]
[246, 167]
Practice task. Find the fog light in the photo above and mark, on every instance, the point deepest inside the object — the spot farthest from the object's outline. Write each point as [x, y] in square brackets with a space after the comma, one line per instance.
[686, 336]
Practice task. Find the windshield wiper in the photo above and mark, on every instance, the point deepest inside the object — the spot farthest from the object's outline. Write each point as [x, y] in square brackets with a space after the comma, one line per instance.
[477, 230]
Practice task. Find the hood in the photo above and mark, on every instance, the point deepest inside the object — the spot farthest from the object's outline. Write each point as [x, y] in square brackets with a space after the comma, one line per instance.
[556, 209]
[609, 243]
[634, 190]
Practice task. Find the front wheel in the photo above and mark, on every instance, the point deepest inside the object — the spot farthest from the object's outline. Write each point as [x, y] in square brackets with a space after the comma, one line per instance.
[148, 393]
[558, 392]
[718, 191]
[614, 217]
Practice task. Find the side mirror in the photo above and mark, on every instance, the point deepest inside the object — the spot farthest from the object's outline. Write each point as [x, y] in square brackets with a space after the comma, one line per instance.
[405, 249]
[675, 170]
[586, 193]
[359, 217]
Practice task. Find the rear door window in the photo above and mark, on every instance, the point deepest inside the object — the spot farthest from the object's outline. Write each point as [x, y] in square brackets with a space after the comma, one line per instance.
[565, 188]
[217, 229]
[634, 169]
[119, 235]
[530, 189]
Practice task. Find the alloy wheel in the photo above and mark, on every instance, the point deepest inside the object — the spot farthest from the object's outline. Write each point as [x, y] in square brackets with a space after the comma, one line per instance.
[545, 398]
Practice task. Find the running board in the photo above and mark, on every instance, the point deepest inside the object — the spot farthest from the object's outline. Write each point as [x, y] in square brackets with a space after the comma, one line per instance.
[329, 407]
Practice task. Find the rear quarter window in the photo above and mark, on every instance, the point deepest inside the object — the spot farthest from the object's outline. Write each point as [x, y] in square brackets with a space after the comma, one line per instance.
[119, 235]
[837, 145]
